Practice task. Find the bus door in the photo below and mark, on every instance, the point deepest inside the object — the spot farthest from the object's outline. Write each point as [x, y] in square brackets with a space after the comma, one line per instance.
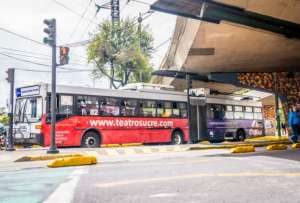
[198, 120]
[65, 122]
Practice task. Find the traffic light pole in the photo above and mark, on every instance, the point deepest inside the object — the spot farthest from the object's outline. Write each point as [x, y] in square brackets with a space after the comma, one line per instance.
[53, 148]
[10, 143]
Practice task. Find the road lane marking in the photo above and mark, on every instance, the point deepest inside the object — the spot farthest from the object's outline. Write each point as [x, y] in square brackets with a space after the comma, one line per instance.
[65, 191]
[143, 163]
[163, 195]
[197, 175]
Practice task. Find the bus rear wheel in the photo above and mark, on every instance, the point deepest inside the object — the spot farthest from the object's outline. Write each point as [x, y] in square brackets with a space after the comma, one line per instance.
[240, 135]
[177, 138]
[91, 139]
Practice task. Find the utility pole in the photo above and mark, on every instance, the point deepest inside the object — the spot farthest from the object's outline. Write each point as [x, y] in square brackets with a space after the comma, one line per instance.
[140, 19]
[51, 41]
[114, 6]
[278, 124]
[11, 79]
[188, 87]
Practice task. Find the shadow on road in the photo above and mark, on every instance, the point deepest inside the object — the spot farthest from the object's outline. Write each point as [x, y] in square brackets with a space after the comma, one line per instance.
[286, 154]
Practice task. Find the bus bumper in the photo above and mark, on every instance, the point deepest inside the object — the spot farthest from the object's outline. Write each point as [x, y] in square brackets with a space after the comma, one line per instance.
[34, 139]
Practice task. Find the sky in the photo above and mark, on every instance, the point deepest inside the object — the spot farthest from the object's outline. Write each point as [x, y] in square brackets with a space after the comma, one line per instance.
[26, 18]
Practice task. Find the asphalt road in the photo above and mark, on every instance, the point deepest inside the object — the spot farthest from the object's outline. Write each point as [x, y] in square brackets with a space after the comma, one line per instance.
[193, 176]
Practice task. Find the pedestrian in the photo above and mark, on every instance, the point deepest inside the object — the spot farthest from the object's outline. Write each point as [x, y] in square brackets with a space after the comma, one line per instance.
[294, 123]
[284, 129]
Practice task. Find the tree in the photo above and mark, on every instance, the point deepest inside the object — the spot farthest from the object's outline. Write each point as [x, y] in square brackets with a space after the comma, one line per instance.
[4, 119]
[121, 54]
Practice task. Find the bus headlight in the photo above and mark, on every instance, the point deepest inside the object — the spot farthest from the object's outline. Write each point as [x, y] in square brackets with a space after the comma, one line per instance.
[38, 126]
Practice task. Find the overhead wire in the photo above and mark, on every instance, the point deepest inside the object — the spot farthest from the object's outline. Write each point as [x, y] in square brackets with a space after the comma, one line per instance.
[73, 11]
[140, 2]
[24, 60]
[79, 21]
[85, 42]
[21, 36]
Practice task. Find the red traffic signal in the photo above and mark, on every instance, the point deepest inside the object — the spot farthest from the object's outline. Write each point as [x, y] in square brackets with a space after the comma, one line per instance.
[64, 55]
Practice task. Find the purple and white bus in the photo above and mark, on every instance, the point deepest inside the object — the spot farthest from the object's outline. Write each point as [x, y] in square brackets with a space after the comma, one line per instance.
[233, 118]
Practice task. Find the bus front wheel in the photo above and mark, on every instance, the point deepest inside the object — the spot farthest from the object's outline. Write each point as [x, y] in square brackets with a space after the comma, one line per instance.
[177, 138]
[91, 139]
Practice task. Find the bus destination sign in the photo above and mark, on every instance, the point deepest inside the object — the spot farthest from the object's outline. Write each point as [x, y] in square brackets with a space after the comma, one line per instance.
[28, 91]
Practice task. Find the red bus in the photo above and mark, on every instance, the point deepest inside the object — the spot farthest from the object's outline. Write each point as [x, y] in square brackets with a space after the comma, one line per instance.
[90, 117]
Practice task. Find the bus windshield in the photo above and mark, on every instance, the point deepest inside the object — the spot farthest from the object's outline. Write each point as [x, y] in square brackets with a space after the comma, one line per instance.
[28, 110]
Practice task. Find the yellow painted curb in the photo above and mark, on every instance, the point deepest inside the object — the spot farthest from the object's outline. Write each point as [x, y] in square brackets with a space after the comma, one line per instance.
[267, 138]
[46, 157]
[73, 161]
[276, 147]
[296, 146]
[242, 149]
[132, 144]
[110, 145]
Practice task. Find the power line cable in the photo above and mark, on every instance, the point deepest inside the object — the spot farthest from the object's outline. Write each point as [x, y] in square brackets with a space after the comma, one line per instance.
[23, 51]
[162, 44]
[79, 21]
[26, 55]
[24, 60]
[85, 42]
[21, 36]
[140, 2]
[36, 53]
[73, 11]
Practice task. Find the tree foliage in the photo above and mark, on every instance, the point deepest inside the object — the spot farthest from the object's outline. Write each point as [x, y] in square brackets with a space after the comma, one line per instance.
[4, 119]
[121, 54]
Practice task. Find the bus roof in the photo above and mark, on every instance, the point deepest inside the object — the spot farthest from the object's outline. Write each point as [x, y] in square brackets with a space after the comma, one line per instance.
[151, 94]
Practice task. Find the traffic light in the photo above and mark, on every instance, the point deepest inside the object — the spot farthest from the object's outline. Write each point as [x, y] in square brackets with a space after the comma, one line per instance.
[64, 55]
[51, 31]
[10, 75]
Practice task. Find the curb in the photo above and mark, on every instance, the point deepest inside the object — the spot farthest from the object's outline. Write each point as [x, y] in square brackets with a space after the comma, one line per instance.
[296, 146]
[229, 146]
[46, 157]
[73, 161]
[242, 149]
[276, 147]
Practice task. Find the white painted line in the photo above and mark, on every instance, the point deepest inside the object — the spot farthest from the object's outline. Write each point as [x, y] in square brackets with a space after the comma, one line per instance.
[65, 191]
[164, 195]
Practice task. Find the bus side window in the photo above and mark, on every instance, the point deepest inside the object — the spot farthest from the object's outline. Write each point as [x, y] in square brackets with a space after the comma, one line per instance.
[65, 105]
[110, 107]
[175, 111]
[129, 107]
[87, 105]
[148, 108]
[229, 112]
[249, 112]
[164, 109]
[238, 112]
[218, 111]
[257, 113]
[182, 109]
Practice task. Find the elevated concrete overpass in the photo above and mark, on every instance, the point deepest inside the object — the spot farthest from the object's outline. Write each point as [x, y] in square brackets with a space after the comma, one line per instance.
[241, 36]
[239, 43]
